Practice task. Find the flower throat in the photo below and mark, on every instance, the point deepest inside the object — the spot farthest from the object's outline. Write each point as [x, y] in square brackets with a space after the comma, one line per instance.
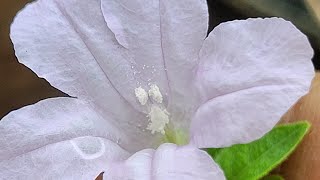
[158, 116]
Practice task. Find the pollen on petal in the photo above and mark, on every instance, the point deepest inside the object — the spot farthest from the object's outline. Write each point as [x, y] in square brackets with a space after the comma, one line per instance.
[158, 118]
[155, 94]
[141, 95]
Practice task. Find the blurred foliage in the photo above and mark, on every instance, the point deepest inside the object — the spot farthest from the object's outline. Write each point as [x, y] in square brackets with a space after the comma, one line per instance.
[273, 177]
[314, 7]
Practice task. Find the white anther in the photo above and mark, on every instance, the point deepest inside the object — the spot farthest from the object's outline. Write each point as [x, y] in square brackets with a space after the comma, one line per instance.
[155, 94]
[141, 95]
[158, 118]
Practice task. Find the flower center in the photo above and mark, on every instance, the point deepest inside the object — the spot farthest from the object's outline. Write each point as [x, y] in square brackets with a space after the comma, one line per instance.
[177, 136]
[158, 116]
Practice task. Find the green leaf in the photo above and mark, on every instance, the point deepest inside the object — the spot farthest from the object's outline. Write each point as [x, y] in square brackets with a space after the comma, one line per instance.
[273, 177]
[256, 159]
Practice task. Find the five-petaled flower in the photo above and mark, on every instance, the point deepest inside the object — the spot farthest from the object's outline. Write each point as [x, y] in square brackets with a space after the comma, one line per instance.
[150, 87]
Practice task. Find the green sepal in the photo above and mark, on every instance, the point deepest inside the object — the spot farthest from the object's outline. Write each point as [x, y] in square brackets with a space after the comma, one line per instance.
[256, 159]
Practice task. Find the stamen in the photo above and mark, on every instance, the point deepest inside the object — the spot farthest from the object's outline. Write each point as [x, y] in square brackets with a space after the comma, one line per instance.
[158, 115]
[141, 95]
[158, 118]
[155, 94]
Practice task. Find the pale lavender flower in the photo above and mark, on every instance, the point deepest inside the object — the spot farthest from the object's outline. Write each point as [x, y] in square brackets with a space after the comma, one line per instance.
[144, 73]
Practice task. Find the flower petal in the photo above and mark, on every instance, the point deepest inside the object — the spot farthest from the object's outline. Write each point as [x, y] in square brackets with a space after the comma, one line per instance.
[60, 137]
[251, 72]
[168, 162]
[69, 44]
[166, 36]
[60, 119]
[78, 158]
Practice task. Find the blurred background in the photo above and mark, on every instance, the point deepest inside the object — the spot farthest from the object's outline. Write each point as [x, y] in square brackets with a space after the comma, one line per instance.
[19, 86]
